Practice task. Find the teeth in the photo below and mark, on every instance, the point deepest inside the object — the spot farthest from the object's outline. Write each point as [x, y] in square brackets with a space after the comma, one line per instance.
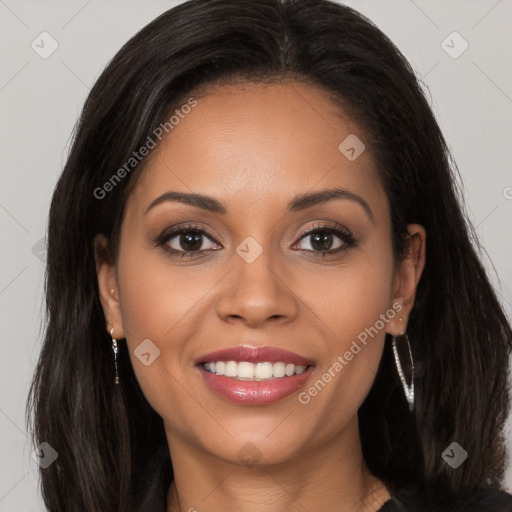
[263, 370]
[230, 370]
[245, 370]
[253, 371]
[279, 369]
[219, 367]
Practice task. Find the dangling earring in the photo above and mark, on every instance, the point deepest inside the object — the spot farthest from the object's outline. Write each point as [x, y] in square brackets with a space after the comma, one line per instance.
[114, 348]
[405, 366]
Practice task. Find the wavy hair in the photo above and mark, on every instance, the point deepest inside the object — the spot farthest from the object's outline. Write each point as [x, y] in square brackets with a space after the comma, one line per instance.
[105, 435]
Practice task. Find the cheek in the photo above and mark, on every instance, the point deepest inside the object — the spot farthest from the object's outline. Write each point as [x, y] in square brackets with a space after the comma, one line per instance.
[160, 304]
[354, 304]
[350, 298]
[157, 295]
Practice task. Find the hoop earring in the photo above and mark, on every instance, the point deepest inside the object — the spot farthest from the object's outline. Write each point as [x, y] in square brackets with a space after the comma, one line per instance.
[114, 349]
[405, 366]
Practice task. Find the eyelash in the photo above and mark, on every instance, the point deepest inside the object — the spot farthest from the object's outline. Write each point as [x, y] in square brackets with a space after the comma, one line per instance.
[344, 234]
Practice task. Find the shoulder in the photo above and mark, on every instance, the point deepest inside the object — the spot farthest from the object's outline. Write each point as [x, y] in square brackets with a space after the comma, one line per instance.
[414, 499]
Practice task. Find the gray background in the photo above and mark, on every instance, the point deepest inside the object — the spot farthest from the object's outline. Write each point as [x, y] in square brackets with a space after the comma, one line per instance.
[40, 100]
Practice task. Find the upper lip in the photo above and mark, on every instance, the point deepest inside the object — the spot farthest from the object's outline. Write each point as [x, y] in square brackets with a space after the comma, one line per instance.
[255, 355]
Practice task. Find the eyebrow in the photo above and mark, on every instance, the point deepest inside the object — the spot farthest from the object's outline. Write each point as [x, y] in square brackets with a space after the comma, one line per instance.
[301, 202]
[298, 203]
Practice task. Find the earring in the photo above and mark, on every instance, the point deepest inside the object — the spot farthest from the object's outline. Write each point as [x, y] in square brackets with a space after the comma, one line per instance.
[114, 349]
[405, 366]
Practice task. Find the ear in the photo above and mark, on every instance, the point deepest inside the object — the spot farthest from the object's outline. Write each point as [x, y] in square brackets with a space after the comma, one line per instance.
[407, 276]
[107, 285]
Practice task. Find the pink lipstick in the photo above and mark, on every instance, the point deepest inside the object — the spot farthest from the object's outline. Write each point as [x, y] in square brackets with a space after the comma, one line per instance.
[254, 375]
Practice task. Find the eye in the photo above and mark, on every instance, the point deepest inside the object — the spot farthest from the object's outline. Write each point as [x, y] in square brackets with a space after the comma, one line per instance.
[326, 239]
[187, 240]
[192, 241]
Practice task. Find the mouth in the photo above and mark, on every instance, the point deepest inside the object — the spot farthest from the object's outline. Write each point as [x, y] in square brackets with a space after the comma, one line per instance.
[254, 375]
[245, 370]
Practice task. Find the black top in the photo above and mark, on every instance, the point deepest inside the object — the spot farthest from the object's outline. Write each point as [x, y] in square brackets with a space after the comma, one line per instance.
[412, 499]
[405, 499]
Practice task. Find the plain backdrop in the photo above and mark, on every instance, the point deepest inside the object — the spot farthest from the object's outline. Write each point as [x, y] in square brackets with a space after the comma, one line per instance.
[40, 99]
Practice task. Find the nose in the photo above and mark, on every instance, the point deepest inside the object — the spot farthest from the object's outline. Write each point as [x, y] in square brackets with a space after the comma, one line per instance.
[257, 293]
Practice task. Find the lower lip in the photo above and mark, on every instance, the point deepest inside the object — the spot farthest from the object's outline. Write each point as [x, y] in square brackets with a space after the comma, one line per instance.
[255, 392]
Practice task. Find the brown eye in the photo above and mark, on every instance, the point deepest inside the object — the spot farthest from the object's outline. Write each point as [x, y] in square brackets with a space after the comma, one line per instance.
[322, 241]
[326, 240]
[190, 241]
[187, 240]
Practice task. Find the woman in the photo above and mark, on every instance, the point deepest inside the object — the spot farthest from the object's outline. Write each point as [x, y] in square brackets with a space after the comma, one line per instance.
[262, 291]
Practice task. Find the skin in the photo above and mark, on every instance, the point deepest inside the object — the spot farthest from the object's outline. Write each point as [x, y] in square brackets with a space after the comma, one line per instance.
[254, 148]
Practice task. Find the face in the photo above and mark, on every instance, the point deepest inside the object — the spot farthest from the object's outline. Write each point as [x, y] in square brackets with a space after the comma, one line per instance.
[267, 270]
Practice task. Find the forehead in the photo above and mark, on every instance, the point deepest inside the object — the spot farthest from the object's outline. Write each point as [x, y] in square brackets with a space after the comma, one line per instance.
[249, 142]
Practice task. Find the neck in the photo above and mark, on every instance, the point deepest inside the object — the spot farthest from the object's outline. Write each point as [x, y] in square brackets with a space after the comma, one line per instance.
[330, 477]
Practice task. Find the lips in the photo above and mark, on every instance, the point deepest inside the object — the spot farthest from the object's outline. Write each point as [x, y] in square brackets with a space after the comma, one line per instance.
[273, 373]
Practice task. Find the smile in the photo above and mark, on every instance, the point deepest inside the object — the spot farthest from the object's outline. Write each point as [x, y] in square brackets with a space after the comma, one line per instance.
[254, 375]
[254, 371]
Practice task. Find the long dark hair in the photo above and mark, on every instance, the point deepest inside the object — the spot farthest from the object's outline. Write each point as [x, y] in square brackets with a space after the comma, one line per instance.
[105, 435]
